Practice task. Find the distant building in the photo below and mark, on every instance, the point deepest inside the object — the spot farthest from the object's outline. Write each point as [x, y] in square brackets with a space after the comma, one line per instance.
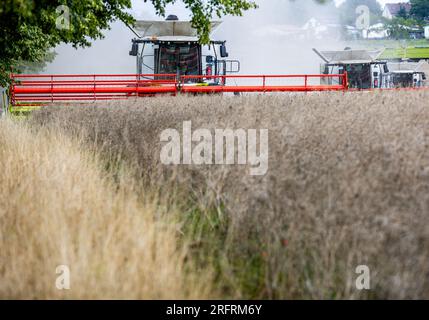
[312, 29]
[352, 33]
[392, 10]
[427, 32]
[322, 29]
[377, 31]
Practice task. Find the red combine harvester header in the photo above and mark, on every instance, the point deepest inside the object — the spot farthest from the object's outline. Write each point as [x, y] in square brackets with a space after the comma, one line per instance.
[62, 88]
[169, 60]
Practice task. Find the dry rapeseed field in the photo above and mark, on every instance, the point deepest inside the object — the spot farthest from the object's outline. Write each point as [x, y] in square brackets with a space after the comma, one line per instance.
[60, 208]
[347, 185]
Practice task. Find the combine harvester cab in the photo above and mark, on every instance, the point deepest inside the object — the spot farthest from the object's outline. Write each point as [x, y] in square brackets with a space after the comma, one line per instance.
[363, 69]
[172, 47]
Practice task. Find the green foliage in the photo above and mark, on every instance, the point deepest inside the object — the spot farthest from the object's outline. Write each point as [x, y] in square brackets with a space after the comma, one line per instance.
[402, 13]
[204, 10]
[420, 9]
[28, 28]
[406, 52]
[35, 66]
[399, 28]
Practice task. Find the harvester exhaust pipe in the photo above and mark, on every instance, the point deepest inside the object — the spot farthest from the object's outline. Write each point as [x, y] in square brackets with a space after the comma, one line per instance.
[172, 17]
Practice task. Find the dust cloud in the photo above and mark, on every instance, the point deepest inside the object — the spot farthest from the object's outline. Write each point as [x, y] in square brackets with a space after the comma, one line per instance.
[277, 38]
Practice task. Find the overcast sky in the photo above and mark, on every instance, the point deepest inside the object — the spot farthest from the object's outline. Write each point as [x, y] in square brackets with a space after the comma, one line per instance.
[382, 2]
[145, 10]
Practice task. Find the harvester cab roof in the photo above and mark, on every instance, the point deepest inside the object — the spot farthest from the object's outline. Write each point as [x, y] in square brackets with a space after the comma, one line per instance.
[172, 47]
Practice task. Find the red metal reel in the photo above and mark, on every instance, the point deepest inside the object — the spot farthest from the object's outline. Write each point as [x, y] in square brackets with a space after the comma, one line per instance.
[56, 88]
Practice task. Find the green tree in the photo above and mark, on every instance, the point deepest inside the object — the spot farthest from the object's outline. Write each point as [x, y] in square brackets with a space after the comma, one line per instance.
[420, 9]
[35, 66]
[203, 11]
[399, 28]
[30, 28]
[402, 13]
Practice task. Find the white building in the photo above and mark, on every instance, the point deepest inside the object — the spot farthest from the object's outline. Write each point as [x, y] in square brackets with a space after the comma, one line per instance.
[377, 31]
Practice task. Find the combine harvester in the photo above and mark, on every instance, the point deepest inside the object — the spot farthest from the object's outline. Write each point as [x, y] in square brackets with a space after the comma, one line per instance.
[404, 74]
[169, 60]
[363, 68]
[368, 70]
